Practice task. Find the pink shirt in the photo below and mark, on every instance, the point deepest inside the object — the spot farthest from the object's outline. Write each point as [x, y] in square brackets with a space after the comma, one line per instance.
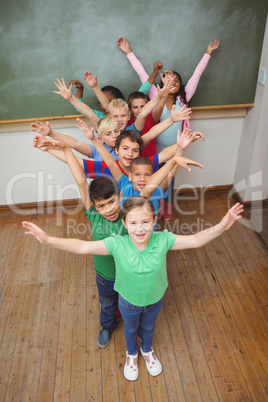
[190, 87]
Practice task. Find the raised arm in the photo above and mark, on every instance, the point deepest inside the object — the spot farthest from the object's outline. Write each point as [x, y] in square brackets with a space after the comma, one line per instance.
[66, 93]
[167, 171]
[148, 107]
[71, 245]
[80, 88]
[205, 236]
[79, 146]
[92, 81]
[191, 85]
[123, 45]
[175, 116]
[104, 153]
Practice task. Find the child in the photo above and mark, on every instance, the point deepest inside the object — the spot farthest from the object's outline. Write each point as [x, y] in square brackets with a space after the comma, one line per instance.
[116, 109]
[141, 275]
[179, 95]
[141, 169]
[102, 207]
[107, 129]
[128, 145]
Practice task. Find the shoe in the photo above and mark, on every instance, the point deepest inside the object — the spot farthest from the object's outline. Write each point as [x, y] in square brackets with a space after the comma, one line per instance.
[104, 337]
[118, 316]
[131, 371]
[167, 211]
[160, 208]
[154, 367]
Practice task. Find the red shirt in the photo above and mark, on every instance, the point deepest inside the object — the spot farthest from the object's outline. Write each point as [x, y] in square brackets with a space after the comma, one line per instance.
[150, 149]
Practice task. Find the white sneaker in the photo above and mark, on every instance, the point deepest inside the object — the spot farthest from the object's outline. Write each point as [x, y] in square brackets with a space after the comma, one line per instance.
[154, 367]
[131, 371]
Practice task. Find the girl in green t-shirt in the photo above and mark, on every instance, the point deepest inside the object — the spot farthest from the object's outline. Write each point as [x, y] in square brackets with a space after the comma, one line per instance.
[141, 277]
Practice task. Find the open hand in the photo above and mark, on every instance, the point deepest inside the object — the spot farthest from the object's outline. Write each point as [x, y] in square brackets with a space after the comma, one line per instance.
[65, 92]
[232, 215]
[213, 46]
[41, 128]
[90, 79]
[35, 231]
[182, 114]
[184, 162]
[89, 132]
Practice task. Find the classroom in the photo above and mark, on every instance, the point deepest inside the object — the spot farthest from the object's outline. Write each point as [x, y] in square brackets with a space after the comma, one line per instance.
[211, 334]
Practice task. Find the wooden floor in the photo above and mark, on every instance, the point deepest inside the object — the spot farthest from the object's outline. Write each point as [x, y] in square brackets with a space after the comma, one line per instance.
[211, 335]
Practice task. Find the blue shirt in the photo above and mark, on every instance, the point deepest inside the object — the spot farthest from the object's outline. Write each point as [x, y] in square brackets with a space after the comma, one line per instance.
[96, 156]
[127, 190]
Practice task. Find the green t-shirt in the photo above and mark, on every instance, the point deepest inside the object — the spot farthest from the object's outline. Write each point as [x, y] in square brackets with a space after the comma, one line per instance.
[102, 228]
[141, 276]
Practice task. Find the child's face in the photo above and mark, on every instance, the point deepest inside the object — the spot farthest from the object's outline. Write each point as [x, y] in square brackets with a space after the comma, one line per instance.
[139, 224]
[109, 208]
[136, 107]
[121, 116]
[109, 136]
[139, 176]
[127, 151]
[176, 85]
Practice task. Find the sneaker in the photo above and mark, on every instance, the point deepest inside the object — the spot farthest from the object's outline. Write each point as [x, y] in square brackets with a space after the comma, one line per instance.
[104, 337]
[167, 211]
[118, 316]
[131, 371]
[154, 366]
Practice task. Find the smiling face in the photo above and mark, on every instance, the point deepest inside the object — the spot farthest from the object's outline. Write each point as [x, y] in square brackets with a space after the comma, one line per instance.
[109, 208]
[136, 107]
[121, 116]
[139, 223]
[139, 176]
[127, 151]
[176, 85]
[109, 136]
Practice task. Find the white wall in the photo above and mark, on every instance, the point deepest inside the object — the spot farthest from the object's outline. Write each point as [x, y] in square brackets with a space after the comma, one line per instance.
[28, 175]
[251, 173]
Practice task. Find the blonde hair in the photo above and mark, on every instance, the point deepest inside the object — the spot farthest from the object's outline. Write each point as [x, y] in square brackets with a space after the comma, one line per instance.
[106, 123]
[117, 104]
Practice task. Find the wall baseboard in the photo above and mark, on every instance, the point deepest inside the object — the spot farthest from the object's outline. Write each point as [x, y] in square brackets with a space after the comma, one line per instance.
[33, 208]
[248, 205]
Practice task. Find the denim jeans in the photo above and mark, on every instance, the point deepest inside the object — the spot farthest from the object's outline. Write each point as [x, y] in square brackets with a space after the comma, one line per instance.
[170, 189]
[139, 318]
[108, 298]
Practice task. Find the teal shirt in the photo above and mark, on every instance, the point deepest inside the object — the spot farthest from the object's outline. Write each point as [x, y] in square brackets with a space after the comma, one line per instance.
[169, 136]
[141, 276]
[102, 228]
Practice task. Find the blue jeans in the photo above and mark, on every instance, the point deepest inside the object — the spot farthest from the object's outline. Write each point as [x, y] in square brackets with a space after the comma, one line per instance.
[108, 298]
[170, 189]
[140, 319]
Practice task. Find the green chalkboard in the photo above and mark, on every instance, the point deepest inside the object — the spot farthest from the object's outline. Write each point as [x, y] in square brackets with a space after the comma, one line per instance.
[42, 40]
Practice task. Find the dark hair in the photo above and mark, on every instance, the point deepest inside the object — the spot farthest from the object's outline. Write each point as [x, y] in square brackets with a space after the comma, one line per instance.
[181, 92]
[141, 160]
[134, 202]
[132, 135]
[137, 95]
[103, 187]
[115, 91]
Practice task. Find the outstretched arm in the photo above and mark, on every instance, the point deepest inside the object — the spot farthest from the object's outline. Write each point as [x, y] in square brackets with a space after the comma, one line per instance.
[191, 85]
[92, 81]
[160, 177]
[205, 236]
[106, 156]
[66, 93]
[159, 128]
[80, 88]
[71, 245]
[45, 145]
[79, 146]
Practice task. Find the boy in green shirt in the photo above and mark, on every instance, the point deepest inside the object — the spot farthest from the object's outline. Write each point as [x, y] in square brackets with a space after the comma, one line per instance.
[101, 200]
